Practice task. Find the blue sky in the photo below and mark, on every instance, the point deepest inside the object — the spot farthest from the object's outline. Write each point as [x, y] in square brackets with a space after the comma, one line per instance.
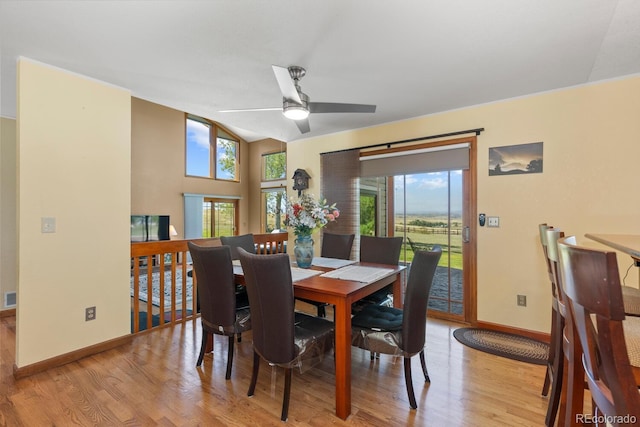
[198, 151]
[198, 148]
[429, 192]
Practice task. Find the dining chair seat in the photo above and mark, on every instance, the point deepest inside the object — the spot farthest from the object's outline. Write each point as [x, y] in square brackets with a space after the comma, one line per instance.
[378, 329]
[631, 328]
[631, 300]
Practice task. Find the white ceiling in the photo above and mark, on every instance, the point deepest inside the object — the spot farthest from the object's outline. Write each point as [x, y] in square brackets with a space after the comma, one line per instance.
[410, 58]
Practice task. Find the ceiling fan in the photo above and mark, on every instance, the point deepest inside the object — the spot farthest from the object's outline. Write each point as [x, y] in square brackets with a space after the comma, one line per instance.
[296, 104]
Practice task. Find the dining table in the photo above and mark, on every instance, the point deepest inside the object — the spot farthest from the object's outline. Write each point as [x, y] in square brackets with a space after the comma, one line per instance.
[626, 243]
[341, 287]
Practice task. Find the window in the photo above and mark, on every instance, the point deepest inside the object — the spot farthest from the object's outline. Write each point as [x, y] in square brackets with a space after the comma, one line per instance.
[368, 213]
[274, 201]
[219, 217]
[198, 148]
[274, 194]
[274, 166]
[226, 157]
[201, 156]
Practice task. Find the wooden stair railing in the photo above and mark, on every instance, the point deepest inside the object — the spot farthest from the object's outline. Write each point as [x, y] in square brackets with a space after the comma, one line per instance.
[171, 256]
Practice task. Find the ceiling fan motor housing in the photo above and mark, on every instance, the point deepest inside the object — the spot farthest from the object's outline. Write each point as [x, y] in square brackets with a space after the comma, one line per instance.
[296, 111]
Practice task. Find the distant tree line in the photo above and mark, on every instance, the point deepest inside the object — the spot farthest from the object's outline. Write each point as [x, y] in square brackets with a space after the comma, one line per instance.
[426, 223]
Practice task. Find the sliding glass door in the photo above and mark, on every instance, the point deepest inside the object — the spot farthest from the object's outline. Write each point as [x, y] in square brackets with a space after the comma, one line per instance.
[428, 212]
[219, 217]
[424, 192]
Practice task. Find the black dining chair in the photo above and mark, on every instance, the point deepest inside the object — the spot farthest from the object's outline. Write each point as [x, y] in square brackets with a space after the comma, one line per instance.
[281, 336]
[222, 310]
[336, 245]
[379, 250]
[244, 241]
[333, 246]
[401, 332]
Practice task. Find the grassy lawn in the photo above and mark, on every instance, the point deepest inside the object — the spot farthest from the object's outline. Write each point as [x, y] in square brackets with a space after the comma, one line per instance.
[435, 236]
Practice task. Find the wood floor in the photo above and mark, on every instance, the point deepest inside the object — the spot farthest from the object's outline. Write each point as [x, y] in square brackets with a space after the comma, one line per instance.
[154, 381]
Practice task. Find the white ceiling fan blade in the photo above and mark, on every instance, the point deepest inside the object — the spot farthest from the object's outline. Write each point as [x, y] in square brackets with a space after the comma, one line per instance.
[334, 107]
[287, 87]
[240, 110]
[303, 125]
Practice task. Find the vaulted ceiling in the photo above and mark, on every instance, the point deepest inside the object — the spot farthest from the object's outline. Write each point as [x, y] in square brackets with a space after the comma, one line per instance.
[410, 58]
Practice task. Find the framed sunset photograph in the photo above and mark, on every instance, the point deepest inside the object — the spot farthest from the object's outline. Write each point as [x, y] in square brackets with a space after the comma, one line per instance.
[515, 159]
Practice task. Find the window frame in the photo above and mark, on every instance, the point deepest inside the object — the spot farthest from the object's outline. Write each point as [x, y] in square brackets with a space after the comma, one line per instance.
[263, 206]
[216, 133]
[263, 162]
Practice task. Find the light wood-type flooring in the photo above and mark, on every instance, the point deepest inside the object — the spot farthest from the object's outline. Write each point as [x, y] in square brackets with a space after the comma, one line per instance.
[154, 381]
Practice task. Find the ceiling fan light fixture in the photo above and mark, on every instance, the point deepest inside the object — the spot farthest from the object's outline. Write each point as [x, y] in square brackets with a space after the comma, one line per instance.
[295, 112]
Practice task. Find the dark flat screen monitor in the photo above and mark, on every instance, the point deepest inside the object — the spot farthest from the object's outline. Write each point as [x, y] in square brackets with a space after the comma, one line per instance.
[148, 228]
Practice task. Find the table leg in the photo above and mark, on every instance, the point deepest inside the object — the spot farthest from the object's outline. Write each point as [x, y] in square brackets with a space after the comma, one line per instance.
[342, 323]
[397, 291]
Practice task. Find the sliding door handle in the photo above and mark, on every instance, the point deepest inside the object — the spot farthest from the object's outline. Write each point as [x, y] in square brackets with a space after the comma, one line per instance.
[465, 234]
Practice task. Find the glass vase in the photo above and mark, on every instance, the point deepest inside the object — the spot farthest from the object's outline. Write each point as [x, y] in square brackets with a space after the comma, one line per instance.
[303, 251]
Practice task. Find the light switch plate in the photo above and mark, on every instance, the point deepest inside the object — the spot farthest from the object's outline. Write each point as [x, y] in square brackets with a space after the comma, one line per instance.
[493, 221]
[47, 225]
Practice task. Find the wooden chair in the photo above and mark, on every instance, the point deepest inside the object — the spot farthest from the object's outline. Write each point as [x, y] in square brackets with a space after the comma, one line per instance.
[389, 330]
[566, 401]
[281, 336]
[333, 246]
[592, 286]
[555, 361]
[222, 311]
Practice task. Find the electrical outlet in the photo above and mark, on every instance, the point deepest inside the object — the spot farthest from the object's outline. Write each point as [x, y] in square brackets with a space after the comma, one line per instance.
[89, 313]
[493, 221]
[522, 300]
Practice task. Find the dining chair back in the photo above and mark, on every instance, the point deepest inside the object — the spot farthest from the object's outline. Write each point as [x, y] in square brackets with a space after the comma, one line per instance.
[379, 250]
[566, 401]
[592, 285]
[555, 359]
[220, 312]
[244, 241]
[336, 245]
[281, 336]
[401, 332]
[542, 231]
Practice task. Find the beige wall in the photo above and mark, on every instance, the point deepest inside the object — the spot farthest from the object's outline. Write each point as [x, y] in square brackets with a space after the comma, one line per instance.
[158, 180]
[74, 151]
[591, 152]
[8, 233]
